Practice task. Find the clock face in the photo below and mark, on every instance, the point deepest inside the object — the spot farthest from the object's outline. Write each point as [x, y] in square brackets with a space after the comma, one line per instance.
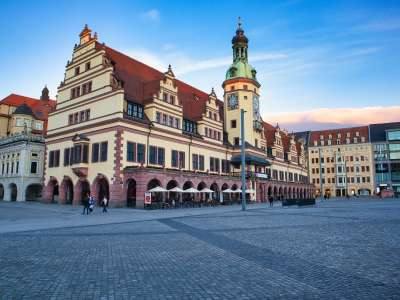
[233, 101]
[256, 108]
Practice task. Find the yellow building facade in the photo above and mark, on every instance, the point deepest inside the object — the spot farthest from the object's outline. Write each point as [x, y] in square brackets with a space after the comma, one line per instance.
[341, 162]
[122, 128]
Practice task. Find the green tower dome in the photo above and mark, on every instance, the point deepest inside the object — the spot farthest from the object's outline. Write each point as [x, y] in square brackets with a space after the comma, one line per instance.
[240, 68]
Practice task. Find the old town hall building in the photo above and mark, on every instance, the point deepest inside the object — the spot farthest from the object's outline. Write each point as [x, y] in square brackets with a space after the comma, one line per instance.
[122, 128]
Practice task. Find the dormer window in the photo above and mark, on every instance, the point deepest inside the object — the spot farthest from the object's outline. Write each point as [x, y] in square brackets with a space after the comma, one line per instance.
[165, 97]
[215, 117]
[134, 110]
[172, 99]
[209, 115]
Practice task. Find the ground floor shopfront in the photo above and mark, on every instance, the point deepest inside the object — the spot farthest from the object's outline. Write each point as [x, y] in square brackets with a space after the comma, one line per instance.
[135, 182]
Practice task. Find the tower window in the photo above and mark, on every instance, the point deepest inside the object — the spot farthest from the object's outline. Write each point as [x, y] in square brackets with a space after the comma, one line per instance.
[233, 123]
[245, 87]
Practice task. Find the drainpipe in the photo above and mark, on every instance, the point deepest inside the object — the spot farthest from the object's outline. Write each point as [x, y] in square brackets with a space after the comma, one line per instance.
[148, 146]
[190, 144]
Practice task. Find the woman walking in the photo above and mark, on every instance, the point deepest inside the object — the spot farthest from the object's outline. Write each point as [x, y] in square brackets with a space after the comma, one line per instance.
[104, 202]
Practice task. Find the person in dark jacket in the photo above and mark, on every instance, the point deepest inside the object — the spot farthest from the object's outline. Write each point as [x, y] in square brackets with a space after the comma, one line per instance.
[85, 203]
[271, 200]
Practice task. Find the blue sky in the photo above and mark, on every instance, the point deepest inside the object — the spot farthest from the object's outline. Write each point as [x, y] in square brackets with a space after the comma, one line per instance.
[310, 55]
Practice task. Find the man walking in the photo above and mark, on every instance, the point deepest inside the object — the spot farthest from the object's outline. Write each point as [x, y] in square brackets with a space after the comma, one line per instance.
[85, 202]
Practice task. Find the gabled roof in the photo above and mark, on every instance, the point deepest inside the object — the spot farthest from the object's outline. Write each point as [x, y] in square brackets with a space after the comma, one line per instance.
[362, 130]
[40, 108]
[141, 82]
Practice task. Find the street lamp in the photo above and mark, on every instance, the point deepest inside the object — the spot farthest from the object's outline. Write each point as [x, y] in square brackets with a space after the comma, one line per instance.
[242, 155]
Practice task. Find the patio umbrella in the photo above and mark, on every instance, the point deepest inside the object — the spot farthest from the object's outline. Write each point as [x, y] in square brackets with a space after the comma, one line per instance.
[250, 191]
[206, 190]
[190, 190]
[228, 191]
[157, 189]
[176, 190]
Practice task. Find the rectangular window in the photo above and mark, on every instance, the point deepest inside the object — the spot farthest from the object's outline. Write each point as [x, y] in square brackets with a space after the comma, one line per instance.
[153, 155]
[201, 162]
[51, 159]
[161, 156]
[57, 158]
[76, 71]
[170, 121]
[66, 157]
[174, 158]
[82, 116]
[78, 154]
[135, 110]
[85, 153]
[141, 153]
[195, 162]
[87, 66]
[76, 118]
[131, 152]
[33, 167]
[103, 151]
[158, 117]
[70, 119]
[84, 89]
[87, 114]
[95, 152]
[181, 159]
[233, 124]
[164, 119]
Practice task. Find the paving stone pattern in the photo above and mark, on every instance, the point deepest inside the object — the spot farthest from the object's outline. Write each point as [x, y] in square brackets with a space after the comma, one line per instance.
[337, 250]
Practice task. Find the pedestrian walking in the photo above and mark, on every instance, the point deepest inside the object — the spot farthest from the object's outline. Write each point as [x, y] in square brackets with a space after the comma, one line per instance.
[91, 204]
[85, 202]
[271, 201]
[104, 203]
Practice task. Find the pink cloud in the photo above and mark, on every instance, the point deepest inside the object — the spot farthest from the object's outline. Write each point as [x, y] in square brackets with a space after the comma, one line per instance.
[328, 118]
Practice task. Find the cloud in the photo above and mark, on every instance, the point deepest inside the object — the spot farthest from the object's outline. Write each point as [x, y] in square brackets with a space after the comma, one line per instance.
[152, 15]
[327, 118]
[183, 64]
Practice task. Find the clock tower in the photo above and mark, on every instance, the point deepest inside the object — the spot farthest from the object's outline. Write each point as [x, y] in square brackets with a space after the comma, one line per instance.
[241, 91]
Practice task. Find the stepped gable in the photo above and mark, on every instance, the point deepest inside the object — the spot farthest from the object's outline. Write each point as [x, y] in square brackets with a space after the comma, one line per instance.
[141, 82]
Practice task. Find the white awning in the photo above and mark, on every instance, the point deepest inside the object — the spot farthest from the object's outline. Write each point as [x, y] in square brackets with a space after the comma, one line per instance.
[206, 190]
[176, 190]
[191, 190]
[228, 191]
[157, 189]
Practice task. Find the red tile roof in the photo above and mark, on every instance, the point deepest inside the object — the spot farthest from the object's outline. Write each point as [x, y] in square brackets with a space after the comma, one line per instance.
[362, 130]
[40, 108]
[141, 82]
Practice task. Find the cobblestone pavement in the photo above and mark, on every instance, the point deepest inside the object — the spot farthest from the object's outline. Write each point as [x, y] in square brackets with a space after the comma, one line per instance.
[336, 250]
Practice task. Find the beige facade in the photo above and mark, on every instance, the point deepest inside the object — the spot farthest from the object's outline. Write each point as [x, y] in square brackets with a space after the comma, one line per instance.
[341, 166]
[122, 121]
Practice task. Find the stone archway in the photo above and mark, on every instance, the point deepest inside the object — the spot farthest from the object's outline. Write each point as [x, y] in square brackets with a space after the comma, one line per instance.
[280, 193]
[33, 192]
[81, 191]
[100, 188]
[173, 197]
[155, 197]
[275, 192]
[13, 191]
[215, 188]
[285, 193]
[131, 193]
[67, 191]
[52, 191]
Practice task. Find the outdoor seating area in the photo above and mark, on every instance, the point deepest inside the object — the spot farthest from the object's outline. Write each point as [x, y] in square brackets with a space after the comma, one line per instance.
[191, 197]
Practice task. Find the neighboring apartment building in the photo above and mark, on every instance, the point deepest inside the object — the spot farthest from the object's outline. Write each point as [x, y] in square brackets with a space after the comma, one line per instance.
[385, 139]
[341, 162]
[23, 122]
[122, 128]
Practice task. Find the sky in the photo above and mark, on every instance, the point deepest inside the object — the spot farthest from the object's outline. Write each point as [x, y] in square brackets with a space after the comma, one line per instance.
[321, 64]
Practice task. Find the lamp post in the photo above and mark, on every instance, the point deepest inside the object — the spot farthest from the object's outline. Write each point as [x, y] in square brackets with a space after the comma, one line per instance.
[242, 156]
